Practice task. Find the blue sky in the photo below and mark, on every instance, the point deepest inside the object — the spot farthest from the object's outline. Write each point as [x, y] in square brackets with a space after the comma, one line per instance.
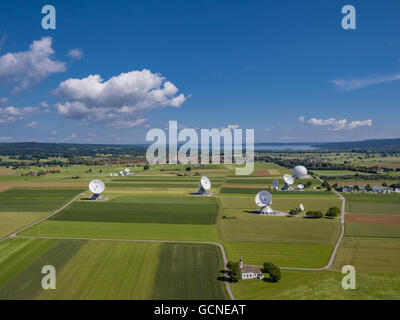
[285, 68]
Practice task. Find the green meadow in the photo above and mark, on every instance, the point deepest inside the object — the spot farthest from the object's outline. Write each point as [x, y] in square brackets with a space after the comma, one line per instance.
[36, 199]
[373, 203]
[144, 209]
[189, 272]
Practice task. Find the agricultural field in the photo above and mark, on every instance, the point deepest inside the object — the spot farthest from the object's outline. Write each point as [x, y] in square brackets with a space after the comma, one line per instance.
[85, 269]
[372, 203]
[320, 285]
[189, 272]
[156, 205]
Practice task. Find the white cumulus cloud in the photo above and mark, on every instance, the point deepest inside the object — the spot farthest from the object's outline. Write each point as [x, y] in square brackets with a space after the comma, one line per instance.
[75, 54]
[12, 114]
[336, 124]
[122, 101]
[32, 66]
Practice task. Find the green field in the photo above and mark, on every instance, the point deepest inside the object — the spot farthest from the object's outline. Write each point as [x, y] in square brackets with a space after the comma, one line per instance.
[144, 209]
[283, 255]
[372, 230]
[254, 228]
[123, 230]
[373, 203]
[369, 255]
[36, 199]
[13, 221]
[85, 269]
[320, 285]
[190, 271]
[155, 205]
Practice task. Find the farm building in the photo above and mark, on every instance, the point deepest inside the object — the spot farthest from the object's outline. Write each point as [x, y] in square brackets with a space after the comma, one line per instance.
[250, 272]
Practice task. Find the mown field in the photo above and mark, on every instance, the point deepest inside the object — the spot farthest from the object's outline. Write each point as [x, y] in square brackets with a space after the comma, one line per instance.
[85, 269]
[144, 209]
[36, 199]
[189, 272]
[320, 285]
[282, 254]
[373, 203]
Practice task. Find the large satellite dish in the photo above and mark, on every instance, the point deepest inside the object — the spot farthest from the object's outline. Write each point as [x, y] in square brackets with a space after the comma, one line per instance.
[264, 200]
[300, 186]
[204, 185]
[288, 179]
[127, 170]
[97, 187]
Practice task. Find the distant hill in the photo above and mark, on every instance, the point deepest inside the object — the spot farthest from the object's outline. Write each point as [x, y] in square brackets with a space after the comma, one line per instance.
[67, 150]
[377, 144]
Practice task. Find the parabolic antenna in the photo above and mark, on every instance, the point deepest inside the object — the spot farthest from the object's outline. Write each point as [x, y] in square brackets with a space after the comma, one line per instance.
[205, 183]
[300, 186]
[301, 207]
[127, 170]
[97, 187]
[275, 183]
[288, 179]
[263, 198]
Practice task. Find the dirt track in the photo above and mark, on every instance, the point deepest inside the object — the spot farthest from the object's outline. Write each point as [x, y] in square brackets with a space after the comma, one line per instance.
[373, 218]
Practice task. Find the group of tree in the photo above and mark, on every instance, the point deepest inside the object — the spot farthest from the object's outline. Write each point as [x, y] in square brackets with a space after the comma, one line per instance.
[317, 214]
[234, 271]
[273, 271]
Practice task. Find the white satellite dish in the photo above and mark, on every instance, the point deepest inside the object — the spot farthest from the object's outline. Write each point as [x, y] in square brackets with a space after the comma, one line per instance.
[275, 183]
[122, 173]
[301, 207]
[97, 187]
[127, 170]
[300, 186]
[264, 200]
[288, 179]
[204, 185]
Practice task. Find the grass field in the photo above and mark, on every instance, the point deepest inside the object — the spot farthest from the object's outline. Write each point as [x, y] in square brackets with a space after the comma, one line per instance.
[17, 254]
[12, 221]
[320, 285]
[156, 205]
[369, 255]
[254, 228]
[283, 255]
[372, 230]
[144, 209]
[123, 230]
[85, 270]
[373, 203]
[36, 199]
[189, 271]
